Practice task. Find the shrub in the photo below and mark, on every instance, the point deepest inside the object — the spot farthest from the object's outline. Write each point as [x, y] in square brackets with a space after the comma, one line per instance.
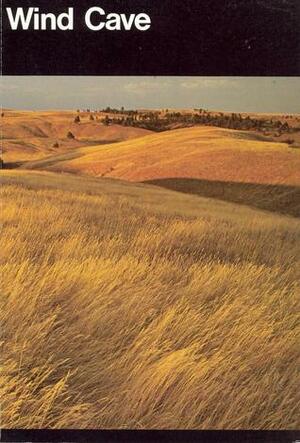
[70, 135]
[106, 121]
[289, 141]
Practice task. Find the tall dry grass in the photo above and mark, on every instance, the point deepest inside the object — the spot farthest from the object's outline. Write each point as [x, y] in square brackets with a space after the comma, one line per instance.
[123, 314]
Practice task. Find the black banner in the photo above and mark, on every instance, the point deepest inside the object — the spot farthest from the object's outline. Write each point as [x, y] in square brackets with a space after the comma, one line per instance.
[190, 37]
[69, 436]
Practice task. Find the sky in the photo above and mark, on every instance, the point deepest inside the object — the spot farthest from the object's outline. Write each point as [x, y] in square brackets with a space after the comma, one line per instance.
[236, 94]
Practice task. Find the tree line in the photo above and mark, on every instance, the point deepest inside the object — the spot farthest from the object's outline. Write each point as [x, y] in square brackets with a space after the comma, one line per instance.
[156, 121]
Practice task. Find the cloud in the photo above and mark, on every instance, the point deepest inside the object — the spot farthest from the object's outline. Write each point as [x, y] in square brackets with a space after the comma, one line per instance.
[144, 87]
[208, 83]
[152, 86]
[6, 87]
[93, 90]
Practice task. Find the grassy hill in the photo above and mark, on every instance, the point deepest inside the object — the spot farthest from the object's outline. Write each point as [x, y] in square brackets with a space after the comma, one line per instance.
[129, 306]
[237, 166]
[30, 135]
[199, 152]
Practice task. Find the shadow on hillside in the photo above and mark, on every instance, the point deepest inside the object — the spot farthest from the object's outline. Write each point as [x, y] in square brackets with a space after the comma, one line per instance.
[276, 198]
[47, 162]
[54, 158]
[13, 165]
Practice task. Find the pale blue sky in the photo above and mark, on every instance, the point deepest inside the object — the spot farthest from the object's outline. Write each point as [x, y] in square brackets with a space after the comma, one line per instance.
[249, 94]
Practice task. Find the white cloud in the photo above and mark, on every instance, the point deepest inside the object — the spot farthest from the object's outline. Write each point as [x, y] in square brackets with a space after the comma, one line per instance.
[6, 87]
[146, 87]
[208, 83]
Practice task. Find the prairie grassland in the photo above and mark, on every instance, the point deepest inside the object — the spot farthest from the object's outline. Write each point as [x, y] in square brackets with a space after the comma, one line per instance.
[127, 306]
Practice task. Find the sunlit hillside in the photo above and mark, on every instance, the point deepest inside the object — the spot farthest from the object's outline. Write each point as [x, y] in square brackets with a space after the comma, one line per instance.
[129, 306]
[238, 166]
[28, 135]
[199, 152]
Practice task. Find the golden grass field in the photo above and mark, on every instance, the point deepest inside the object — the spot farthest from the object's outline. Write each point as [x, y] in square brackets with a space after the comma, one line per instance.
[130, 305]
[127, 306]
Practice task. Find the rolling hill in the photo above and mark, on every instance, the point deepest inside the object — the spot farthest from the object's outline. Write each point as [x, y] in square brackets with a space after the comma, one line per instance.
[232, 165]
[29, 135]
